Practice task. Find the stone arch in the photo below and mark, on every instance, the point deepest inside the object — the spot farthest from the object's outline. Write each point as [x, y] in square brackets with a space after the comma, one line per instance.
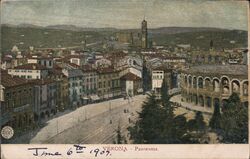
[185, 79]
[194, 82]
[201, 100]
[195, 99]
[225, 84]
[216, 84]
[207, 82]
[200, 82]
[189, 80]
[244, 88]
[225, 80]
[235, 85]
[208, 101]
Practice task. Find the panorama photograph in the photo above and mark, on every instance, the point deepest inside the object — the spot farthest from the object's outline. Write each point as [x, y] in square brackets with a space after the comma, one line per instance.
[124, 72]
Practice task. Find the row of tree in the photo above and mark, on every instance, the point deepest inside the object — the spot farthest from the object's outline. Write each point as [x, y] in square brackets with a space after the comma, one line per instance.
[157, 123]
[232, 123]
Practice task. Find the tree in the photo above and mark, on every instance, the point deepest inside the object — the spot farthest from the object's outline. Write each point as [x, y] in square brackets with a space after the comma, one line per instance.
[174, 128]
[214, 122]
[234, 121]
[198, 123]
[146, 77]
[147, 128]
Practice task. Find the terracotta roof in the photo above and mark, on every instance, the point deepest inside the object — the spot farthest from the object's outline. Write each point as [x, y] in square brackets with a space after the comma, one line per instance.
[87, 68]
[106, 70]
[75, 56]
[55, 72]
[130, 76]
[8, 81]
[7, 59]
[31, 66]
[74, 65]
[41, 81]
[163, 68]
[55, 66]
[41, 57]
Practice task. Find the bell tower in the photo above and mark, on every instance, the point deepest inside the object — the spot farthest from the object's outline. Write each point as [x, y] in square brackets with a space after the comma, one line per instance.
[144, 34]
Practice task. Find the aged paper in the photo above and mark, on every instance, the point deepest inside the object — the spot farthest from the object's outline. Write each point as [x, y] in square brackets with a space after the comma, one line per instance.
[124, 79]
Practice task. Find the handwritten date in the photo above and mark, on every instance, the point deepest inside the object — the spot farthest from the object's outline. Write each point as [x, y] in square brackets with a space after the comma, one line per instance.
[76, 149]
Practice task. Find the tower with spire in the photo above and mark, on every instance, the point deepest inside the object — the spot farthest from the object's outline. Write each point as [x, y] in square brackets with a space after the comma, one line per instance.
[144, 34]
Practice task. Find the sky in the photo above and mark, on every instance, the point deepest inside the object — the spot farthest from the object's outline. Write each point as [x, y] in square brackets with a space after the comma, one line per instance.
[126, 14]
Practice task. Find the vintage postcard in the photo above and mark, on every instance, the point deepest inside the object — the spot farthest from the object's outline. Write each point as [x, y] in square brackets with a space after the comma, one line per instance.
[124, 79]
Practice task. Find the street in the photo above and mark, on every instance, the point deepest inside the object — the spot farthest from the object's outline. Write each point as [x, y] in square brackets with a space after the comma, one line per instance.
[91, 123]
[94, 123]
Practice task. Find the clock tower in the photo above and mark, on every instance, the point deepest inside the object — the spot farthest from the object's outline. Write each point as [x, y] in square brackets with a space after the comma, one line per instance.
[144, 34]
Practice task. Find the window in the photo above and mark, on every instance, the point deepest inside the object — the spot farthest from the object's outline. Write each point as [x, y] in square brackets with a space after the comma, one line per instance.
[37, 77]
[50, 63]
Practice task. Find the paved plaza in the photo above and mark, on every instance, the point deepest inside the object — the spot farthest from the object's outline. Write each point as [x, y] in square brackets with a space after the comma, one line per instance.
[90, 123]
[97, 123]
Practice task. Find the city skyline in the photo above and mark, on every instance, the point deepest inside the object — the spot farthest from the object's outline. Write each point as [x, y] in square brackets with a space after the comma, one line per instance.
[126, 15]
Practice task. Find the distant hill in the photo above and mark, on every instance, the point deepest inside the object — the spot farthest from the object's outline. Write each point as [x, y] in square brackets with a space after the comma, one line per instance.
[175, 30]
[26, 35]
[221, 38]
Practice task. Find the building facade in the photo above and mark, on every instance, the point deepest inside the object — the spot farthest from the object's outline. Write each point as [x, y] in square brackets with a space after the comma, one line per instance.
[29, 71]
[89, 84]
[75, 80]
[108, 83]
[45, 99]
[16, 103]
[208, 85]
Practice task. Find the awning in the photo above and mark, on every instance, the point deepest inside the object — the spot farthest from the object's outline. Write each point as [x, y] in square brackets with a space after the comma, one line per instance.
[94, 97]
